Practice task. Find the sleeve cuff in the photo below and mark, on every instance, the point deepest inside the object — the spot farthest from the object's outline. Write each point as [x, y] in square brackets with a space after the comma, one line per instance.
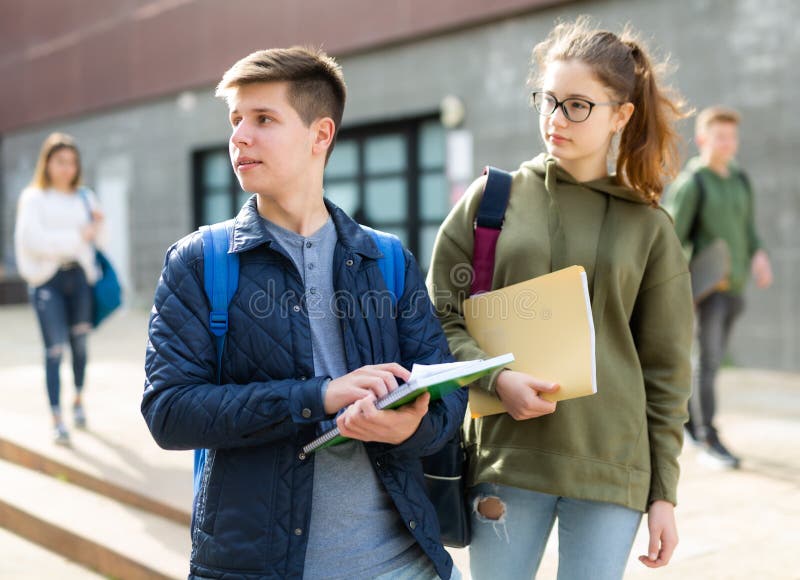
[306, 404]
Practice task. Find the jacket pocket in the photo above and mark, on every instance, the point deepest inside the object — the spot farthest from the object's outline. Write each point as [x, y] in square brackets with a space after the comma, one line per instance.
[238, 527]
[209, 502]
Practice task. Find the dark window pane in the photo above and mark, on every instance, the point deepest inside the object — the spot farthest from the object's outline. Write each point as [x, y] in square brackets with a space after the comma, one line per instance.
[431, 145]
[216, 205]
[385, 153]
[386, 199]
[434, 196]
[217, 172]
[241, 198]
[343, 161]
[344, 194]
[427, 236]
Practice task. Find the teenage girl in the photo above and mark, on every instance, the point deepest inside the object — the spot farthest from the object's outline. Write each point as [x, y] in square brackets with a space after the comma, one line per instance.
[597, 463]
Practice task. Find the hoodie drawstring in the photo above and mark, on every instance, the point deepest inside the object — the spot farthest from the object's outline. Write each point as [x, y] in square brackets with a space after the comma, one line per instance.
[558, 243]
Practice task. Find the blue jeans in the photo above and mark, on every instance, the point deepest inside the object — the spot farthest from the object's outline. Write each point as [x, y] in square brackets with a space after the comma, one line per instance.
[63, 305]
[594, 538]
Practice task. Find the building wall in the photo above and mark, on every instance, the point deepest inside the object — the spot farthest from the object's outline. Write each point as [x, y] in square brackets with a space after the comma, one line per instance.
[97, 54]
[737, 52]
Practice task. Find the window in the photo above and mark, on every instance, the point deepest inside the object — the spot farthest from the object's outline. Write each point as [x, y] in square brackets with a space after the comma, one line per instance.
[217, 195]
[392, 177]
[389, 176]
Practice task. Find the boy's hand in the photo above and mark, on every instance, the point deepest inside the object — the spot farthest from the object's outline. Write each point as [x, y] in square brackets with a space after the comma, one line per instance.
[762, 269]
[370, 380]
[363, 421]
[519, 394]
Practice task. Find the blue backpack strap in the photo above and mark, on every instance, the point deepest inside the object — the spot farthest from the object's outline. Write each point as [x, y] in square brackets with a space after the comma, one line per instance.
[393, 262]
[220, 281]
[492, 209]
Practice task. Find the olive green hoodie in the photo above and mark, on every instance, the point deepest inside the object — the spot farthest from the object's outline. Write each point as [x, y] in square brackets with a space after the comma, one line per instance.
[620, 445]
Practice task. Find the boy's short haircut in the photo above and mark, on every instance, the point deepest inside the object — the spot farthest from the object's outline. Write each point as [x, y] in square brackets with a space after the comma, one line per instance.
[316, 82]
[715, 114]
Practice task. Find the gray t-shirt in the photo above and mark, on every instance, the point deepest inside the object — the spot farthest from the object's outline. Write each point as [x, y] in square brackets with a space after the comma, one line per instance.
[355, 530]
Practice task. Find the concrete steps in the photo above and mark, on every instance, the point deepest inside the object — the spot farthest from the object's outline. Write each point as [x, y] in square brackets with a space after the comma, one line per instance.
[113, 502]
[95, 531]
[24, 457]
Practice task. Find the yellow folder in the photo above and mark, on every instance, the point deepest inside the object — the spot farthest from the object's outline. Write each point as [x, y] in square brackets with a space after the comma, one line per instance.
[547, 323]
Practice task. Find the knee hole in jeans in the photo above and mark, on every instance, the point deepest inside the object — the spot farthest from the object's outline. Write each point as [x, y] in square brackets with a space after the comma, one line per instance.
[81, 329]
[55, 351]
[490, 507]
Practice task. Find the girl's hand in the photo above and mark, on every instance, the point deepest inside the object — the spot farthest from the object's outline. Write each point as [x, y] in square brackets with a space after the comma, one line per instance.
[519, 394]
[663, 534]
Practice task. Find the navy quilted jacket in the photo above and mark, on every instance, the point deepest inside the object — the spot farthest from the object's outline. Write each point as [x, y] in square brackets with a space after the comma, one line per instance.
[251, 513]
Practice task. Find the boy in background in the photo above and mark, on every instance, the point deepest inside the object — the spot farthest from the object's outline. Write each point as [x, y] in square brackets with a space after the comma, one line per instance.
[712, 200]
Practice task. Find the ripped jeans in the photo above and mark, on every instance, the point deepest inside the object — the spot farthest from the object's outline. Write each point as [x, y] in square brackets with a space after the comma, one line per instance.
[594, 538]
[63, 305]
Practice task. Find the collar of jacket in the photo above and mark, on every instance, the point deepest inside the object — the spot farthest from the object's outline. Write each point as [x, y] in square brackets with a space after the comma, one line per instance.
[249, 231]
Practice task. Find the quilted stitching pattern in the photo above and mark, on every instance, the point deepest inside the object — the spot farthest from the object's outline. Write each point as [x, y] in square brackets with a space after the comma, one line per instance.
[254, 419]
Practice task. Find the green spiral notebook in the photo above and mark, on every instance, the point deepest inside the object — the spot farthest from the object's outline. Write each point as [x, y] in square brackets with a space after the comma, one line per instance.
[438, 380]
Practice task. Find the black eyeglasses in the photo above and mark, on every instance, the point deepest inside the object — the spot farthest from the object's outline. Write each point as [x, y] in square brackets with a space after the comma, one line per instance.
[575, 109]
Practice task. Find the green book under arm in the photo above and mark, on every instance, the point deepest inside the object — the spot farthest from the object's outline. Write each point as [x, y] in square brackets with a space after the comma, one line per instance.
[438, 380]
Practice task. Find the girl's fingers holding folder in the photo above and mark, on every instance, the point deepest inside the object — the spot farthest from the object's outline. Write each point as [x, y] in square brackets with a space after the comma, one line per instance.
[519, 393]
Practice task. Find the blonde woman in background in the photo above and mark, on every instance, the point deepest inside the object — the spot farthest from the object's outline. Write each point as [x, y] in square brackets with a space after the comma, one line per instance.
[55, 237]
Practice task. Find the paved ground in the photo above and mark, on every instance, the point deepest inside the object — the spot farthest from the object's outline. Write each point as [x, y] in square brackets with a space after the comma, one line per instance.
[32, 562]
[743, 524]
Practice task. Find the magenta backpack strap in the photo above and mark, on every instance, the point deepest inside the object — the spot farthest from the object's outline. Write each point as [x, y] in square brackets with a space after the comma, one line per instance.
[488, 223]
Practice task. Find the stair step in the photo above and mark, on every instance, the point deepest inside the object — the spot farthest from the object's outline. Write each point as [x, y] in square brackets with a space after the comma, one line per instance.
[24, 457]
[95, 531]
[116, 456]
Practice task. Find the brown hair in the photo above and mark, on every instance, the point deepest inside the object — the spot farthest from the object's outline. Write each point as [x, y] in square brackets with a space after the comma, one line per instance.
[648, 148]
[54, 143]
[715, 114]
[316, 82]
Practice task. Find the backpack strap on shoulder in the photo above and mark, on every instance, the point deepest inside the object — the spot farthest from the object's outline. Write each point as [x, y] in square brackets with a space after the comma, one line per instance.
[393, 262]
[220, 280]
[694, 229]
[488, 224]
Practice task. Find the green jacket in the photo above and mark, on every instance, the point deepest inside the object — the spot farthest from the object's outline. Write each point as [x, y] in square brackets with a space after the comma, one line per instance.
[620, 445]
[727, 213]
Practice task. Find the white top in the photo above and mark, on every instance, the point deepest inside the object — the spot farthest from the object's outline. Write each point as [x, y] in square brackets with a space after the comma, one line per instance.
[48, 234]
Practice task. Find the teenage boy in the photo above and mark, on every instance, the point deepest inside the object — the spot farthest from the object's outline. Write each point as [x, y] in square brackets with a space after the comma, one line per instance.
[305, 340]
[712, 200]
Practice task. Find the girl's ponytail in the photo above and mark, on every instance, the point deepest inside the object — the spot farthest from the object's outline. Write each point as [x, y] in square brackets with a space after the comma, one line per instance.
[648, 148]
